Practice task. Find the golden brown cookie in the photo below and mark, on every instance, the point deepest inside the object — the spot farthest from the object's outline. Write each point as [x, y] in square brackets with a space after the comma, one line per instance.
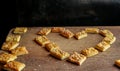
[9, 45]
[42, 40]
[80, 35]
[6, 57]
[106, 33]
[117, 62]
[102, 46]
[20, 30]
[50, 46]
[109, 39]
[60, 54]
[14, 66]
[77, 58]
[44, 31]
[92, 30]
[57, 29]
[88, 52]
[13, 38]
[67, 33]
[21, 50]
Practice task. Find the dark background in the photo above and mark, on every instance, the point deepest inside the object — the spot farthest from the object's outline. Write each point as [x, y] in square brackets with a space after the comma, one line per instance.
[31, 13]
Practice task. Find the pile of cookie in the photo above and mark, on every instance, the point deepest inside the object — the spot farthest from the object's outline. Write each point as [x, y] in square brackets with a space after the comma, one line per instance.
[11, 50]
[77, 58]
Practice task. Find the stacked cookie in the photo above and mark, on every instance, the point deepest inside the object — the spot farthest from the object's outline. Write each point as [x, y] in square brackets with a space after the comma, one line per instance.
[12, 50]
[77, 58]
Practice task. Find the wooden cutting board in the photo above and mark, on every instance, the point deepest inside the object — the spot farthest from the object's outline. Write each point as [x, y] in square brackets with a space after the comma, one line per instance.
[39, 58]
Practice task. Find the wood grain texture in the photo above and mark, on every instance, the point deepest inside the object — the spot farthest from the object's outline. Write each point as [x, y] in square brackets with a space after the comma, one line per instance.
[39, 59]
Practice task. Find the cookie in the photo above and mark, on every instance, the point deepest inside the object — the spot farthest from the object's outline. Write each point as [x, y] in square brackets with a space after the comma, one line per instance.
[21, 50]
[92, 30]
[102, 46]
[44, 31]
[50, 46]
[77, 58]
[88, 52]
[60, 54]
[13, 38]
[106, 33]
[67, 33]
[57, 29]
[20, 30]
[9, 45]
[109, 39]
[117, 63]
[14, 66]
[6, 57]
[80, 35]
[42, 40]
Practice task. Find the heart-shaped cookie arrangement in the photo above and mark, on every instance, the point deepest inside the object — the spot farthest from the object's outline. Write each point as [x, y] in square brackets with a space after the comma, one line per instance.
[77, 58]
[12, 51]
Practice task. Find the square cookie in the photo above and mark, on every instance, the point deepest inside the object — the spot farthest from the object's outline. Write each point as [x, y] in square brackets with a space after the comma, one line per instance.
[109, 39]
[50, 46]
[42, 40]
[14, 66]
[9, 45]
[13, 38]
[106, 33]
[92, 30]
[20, 30]
[21, 50]
[67, 33]
[60, 54]
[57, 29]
[44, 31]
[102, 46]
[88, 52]
[81, 35]
[77, 58]
[6, 57]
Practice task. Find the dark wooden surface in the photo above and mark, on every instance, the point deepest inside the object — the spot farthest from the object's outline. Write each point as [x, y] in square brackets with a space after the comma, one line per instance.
[39, 59]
